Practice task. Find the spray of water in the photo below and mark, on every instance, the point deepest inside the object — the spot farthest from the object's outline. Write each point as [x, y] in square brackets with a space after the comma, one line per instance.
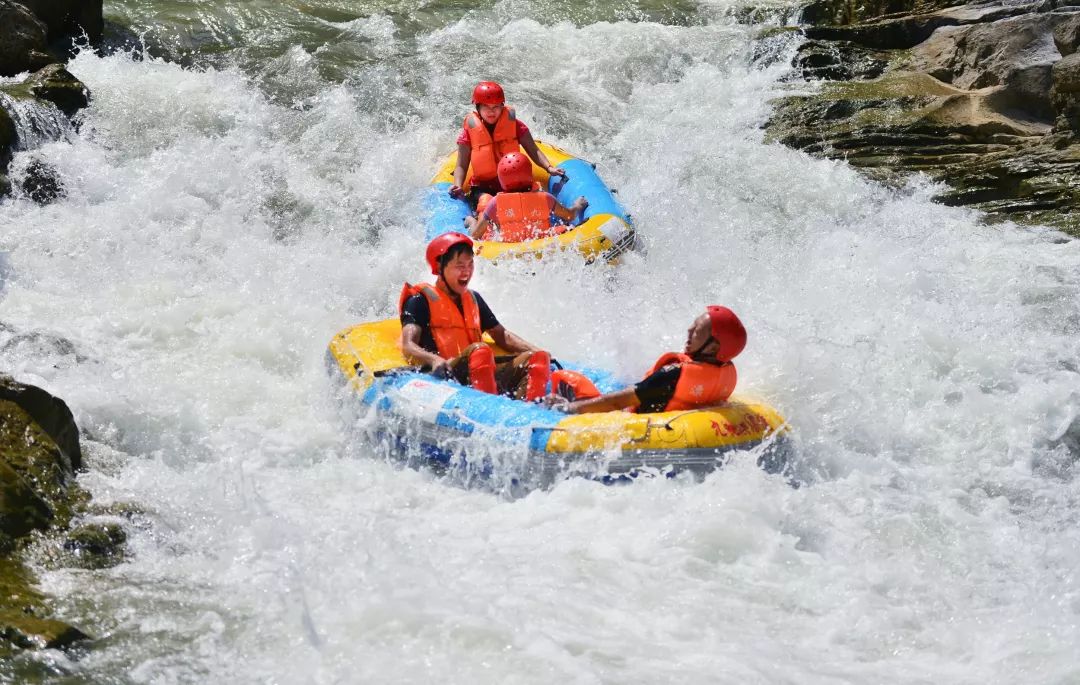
[221, 223]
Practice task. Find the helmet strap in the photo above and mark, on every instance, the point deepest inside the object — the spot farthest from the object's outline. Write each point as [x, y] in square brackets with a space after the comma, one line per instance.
[697, 354]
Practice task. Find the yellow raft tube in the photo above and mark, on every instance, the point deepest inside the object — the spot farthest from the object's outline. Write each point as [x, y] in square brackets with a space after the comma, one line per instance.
[448, 426]
[605, 230]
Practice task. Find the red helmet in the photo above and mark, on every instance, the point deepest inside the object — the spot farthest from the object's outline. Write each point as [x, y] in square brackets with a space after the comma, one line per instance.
[727, 331]
[488, 93]
[515, 172]
[441, 245]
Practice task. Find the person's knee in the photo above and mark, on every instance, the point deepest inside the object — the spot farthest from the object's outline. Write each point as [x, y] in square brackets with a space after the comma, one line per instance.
[538, 371]
[481, 368]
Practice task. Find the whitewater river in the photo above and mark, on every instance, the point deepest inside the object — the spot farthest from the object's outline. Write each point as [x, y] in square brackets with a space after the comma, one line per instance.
[251, 185]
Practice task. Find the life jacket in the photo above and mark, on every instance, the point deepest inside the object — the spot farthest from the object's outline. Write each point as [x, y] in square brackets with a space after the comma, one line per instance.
[489, 148]
[453, 329]
[522, 216]
[700, 384]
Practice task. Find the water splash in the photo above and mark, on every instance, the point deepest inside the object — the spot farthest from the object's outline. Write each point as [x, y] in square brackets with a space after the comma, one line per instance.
[36, 122]
[215, 235]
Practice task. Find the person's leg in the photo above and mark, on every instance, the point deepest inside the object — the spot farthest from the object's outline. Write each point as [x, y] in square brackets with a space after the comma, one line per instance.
[525, 377]
[475, 367]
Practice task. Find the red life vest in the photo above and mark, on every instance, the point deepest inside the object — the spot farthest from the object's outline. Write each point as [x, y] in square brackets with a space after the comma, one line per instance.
[453, 329]
[488, 148]
[700, 384]
[522, 216]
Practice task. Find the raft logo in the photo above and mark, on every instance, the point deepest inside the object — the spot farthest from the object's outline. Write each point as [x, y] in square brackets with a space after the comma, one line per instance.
[698, 391]
[751, 423]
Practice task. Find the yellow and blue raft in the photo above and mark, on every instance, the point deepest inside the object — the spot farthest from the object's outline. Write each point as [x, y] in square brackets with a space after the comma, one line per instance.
[603, 232]
[445, 425]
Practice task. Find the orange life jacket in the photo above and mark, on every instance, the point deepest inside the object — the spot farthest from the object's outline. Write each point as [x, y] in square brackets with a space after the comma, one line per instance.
[522, 216]
[700, 384]
[488, 149]
[453, 329]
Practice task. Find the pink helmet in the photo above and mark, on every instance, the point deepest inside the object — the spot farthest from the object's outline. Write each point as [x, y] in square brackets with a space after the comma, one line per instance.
[488, 93]
[441, 245]
[515, 172]
[727, 331]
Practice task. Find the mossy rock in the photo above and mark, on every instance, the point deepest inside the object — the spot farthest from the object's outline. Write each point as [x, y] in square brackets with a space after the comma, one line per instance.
[30, 632]
[23, 620]
[95, 545]
[22, 510]
[59, 86]
[32, 460]
[50, 413]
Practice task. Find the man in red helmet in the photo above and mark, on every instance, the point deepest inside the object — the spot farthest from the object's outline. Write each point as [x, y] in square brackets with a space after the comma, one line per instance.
[442, 325]
[487, 134]
[522, 211]
[702, 375]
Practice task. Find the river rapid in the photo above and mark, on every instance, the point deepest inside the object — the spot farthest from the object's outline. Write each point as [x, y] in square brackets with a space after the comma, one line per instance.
[250, 184]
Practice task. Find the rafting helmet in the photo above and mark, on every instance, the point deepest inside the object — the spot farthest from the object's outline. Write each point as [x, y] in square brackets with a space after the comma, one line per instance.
[488, 93]
[443, 244]
[727, 331]
[515, 172]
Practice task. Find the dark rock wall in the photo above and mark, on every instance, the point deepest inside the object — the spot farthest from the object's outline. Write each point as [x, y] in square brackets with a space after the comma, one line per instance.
[983, 96]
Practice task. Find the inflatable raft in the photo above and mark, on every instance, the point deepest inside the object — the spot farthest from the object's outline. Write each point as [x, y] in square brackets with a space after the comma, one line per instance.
[450, 427]
[603, 231]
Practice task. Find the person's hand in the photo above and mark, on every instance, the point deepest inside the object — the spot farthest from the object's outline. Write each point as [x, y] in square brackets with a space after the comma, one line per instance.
[441, 369]
[580, 204]
[456, 192]
[557, 171]
[556, 402]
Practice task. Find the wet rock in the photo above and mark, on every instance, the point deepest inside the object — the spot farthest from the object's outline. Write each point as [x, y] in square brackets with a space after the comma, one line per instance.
[1067, 35]
[30, 632]
[52, 415]
[7, 138]
[838, 61]
[40, 344]
[1015, 54]
[24, 620]
[1066, 93]
[975, 95]
[34, 477]
[23, 44]
[38, 452]
[95, 545]
[57, 85]
[41, 183]
[844, 12]
[69, 18]
[22, 510]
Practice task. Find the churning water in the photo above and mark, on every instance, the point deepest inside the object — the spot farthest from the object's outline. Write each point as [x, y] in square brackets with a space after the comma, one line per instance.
[251, 185]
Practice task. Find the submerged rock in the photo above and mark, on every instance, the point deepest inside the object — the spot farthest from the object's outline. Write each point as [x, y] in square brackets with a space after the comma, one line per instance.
[977, 95]
[95, 545]
[41, 183]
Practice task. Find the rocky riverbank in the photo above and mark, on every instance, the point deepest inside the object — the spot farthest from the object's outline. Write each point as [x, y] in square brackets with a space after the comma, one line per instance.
[983, 97]
[41, 503]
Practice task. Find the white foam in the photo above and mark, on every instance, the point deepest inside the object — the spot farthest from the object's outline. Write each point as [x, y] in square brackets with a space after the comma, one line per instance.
[212, 240]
